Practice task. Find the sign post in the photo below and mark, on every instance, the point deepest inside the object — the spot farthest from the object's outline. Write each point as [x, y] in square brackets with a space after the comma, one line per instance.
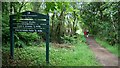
[47, 43]
[29, 22]
[11, 39]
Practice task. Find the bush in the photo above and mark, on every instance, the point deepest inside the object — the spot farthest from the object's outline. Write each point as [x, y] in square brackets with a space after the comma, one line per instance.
[24, 38]
[73, 39]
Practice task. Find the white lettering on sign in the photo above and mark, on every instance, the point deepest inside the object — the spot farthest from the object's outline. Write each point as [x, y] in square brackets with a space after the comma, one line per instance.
[39, 30]
[37, 26]
[28, 23]
[31, 30]
[27, 26]
[28, 30]
[28, 12]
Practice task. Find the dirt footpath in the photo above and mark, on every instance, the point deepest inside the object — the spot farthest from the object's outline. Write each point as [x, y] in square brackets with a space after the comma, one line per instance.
[102, 55]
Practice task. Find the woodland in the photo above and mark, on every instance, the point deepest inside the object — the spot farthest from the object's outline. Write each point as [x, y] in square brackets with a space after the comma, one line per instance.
[68, 20]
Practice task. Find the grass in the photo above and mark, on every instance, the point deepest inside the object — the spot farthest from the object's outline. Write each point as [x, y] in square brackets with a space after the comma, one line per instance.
[78, 54]
[110, 48]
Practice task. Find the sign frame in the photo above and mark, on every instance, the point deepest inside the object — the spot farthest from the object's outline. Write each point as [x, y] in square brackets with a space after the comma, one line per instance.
[33, 15]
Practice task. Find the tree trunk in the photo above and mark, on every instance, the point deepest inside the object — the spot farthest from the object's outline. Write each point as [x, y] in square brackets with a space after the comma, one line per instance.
[59, 27]
[52, 29]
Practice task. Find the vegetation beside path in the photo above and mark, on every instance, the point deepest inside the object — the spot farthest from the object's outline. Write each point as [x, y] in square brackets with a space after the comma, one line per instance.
[68, 20]
[77, 54]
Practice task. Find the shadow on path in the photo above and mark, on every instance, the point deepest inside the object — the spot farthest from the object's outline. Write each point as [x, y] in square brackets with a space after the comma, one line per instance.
[102, 55]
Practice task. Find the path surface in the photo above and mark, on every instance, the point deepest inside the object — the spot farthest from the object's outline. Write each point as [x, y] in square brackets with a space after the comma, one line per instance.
[102, 55]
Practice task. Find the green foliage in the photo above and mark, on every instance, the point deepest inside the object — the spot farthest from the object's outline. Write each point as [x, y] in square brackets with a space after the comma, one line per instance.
[82, 38]
[78, 55]
[29, 39]
[29, 36]
[73, 39]
[19, 44]
[5, 27]
[101, 19]
[50, 6]
[68, 39]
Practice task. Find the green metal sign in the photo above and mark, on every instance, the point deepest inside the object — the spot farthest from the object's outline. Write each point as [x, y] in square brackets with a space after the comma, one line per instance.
[29, 22]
